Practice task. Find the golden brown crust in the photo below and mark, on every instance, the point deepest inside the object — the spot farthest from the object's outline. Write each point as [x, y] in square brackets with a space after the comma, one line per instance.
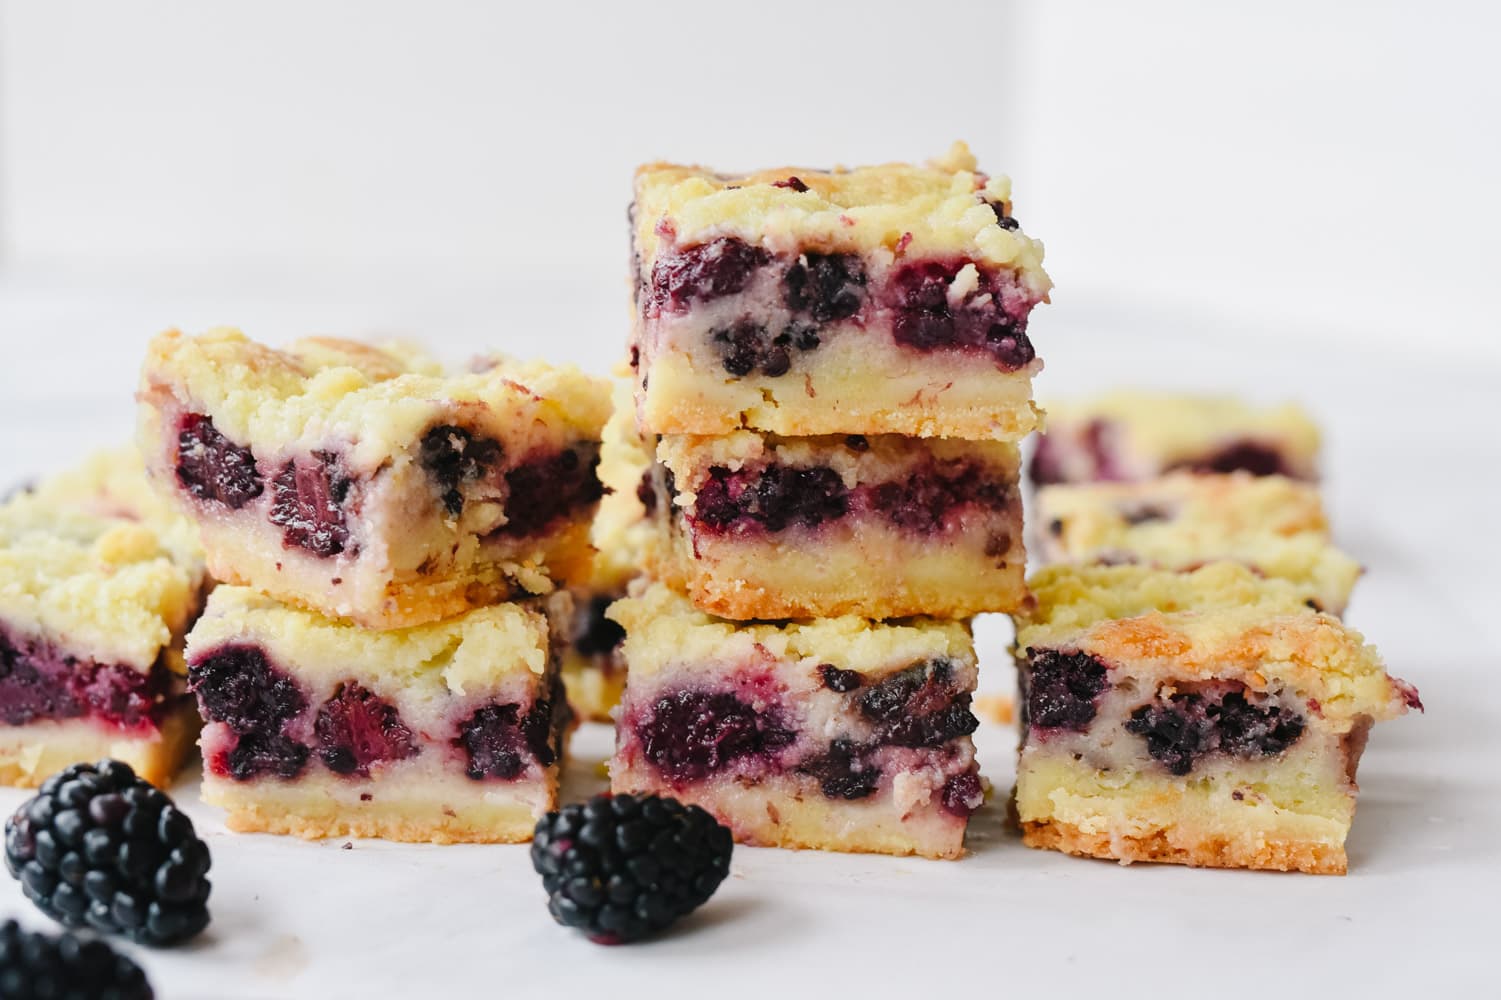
[1177, 847]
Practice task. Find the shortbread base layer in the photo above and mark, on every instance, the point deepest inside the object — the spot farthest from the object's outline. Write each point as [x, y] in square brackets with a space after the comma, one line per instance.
[849, 392]
[1180, 847]
[415, 809]
[32, 753]
[368, 598]
[776, 814]
[872, 571]
[1208, 822]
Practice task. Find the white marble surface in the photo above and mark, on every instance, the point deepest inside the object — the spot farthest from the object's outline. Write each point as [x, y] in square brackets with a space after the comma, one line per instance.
[1412, 461]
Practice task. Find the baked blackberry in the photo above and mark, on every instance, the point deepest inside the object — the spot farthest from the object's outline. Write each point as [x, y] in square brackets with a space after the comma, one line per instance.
[623, 867]
[35, 965]
[102, 848]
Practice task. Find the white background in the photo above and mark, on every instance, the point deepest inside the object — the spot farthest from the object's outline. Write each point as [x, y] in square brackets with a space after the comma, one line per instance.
[1281, 199]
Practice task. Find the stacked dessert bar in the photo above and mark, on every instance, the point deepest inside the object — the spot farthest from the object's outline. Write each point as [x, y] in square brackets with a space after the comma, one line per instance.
[375, 662]
[832, 371]
[1188, 694]
[99, 581]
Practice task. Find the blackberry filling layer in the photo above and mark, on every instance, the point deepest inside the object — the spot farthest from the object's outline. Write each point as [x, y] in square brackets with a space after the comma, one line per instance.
[777, 497]
[308, 504]
[690, 735]
[37, 682]
[453, 456]
[825, 286]
[211, 467]
[238, 686]
[919, 707]
[925, 318]
[1062, 689]
[549, 487]
[356, 729]
[500, 741]
[844, 771]
[1185, 727]
[746, 347]
[705, 272]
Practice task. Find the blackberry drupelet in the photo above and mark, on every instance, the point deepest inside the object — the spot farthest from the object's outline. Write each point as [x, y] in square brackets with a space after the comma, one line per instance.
[623, 867]
[102, 848]
[35, 965]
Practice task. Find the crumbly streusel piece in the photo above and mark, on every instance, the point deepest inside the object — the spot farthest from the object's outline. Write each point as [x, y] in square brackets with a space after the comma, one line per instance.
[1272, 524]
[1203, 718]
[1132, 436]
[98, 583]
[890, 299]
[365, 483]
[841, 734]
[450, 732]
[756, 526]
[593, 671]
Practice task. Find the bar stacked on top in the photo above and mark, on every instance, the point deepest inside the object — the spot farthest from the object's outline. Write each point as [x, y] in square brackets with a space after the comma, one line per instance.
[377, 662]
[1188, 694]
[832, 370]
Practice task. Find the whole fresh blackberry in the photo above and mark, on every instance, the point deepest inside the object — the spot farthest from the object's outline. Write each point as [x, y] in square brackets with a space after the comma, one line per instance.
[623, 867]
[63, 967]
[99, 847]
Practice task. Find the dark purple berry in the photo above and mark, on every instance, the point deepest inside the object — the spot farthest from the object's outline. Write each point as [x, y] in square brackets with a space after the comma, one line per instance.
[211, 467]
[1177, 731]
[963, 794]
[500, 742]
[925, 499]
[925, 320]
[746, 347]
[549, 487]
[453, 456]
[794, 183]
[919, 706]
[99, 847]
[826, 287]
[689, 735]
[1248, 730]
[1002, 219]
[842, 681]
[705, 272]
[595, 633]
[774, 498]
[309, 505]
[356, 729]
[843, 771]
[624, 867]
[1144, 513]
[236, 685]
[1062, 688]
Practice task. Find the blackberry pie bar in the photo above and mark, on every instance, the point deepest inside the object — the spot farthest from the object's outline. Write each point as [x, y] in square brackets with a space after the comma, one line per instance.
[841, 734]
[363, 482]
[758, 526]
[98, 584]
[1203, 718]
[890, 299]
[450, 732]
[1133, 436]
[1272, 524]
